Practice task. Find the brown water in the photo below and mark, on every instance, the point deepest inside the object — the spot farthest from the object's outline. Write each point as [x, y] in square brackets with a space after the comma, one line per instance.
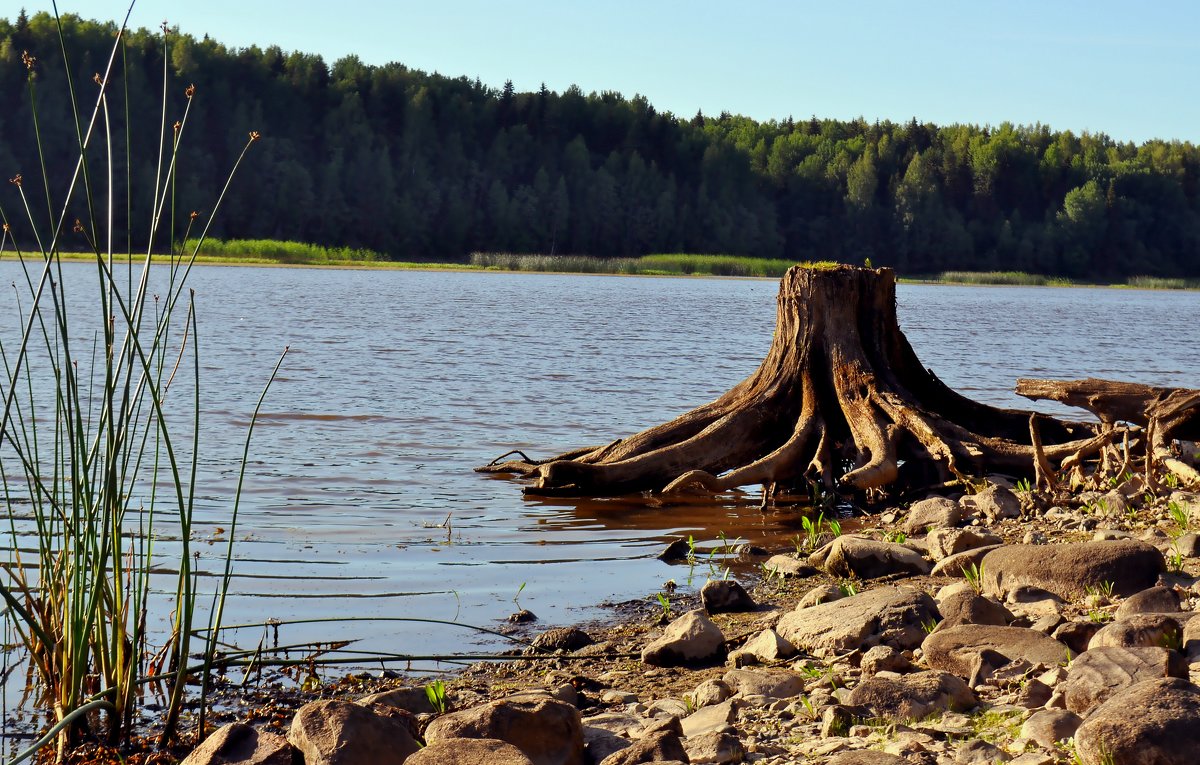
[398, 383]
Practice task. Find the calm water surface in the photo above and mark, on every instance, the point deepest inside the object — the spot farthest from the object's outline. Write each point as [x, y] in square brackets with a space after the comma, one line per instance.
[361, 500]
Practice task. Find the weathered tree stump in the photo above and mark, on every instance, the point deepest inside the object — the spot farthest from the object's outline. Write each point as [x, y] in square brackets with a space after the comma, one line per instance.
[841, 400]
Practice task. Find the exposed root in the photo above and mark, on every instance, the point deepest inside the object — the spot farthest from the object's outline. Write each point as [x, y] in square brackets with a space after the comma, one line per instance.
[842, 399]
[1042, 472]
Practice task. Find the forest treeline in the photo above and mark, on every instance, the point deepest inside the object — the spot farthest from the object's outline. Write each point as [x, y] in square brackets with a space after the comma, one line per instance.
[423, 166]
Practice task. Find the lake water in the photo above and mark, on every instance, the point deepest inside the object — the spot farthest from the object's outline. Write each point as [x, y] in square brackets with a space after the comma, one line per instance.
[399, 383]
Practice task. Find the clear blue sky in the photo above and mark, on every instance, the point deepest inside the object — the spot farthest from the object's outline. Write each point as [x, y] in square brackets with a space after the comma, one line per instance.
[1127, 69]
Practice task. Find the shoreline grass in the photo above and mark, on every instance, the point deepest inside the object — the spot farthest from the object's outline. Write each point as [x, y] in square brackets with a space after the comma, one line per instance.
[283, 254]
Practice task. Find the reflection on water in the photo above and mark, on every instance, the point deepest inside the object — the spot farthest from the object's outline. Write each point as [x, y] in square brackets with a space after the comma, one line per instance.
[361, 500]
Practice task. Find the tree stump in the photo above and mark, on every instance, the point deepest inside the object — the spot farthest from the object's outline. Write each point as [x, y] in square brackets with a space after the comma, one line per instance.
[840, 400]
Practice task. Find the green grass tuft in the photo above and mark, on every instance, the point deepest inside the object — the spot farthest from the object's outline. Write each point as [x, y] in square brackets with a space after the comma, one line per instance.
[274, 251]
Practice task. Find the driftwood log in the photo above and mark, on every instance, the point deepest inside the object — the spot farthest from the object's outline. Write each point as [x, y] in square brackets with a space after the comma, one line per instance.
[1164, 416]
[840, 401]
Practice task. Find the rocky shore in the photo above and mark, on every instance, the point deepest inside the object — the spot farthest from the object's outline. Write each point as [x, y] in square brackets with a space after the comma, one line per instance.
[991, 627]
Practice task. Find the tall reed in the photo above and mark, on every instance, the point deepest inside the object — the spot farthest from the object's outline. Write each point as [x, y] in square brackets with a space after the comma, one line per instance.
[1162, 283]
[94, 478]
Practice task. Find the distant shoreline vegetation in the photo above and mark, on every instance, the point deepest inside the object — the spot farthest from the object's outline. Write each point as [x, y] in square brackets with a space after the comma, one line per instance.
[269, 252]
[664, 264]
[275, 251]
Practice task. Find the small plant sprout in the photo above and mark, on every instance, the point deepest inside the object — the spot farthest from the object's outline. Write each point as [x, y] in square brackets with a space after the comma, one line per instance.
[809, 708]
[1171, 480]
[1099, 615]
[815, 532]
[1023, 487]
[974, 576]
[812, 535]
[1172, 639]
[1179, 515]
[665, 603]
[929, 625]
[848, 587]
[810, 671]
[895, 536]
[517, 598]
[1175, 559]
[436, 693]
[835, 527]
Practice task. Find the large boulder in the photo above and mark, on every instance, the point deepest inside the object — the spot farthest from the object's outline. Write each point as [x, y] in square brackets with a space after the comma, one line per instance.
[658, 746]
[867, 757]
[1140, 630]
[963, 563]
[932, 513]
[957, 649]
[883, 658]
[980, 752]
[772, 683]
[895, 616]
[690, 639]
[1049, 726]
[1153, 722]
[717, 717]
[547, 731]
[1155, 600]
[709, 692]
[994, 503]
[902, 697]
[764, 648]
[241, 744]
[725, 596]
[715, 748]
[788, 565]
[469, 751]
[825, 593]
[1191, 639]
[1100, 673]
[562, 639]
[943, 543]
[335, 732]
[965, 606]
[867, 558]
[1069, 570]
[414, 700]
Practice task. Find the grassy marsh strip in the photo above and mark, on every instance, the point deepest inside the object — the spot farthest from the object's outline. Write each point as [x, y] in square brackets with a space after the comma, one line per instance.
[659, 264]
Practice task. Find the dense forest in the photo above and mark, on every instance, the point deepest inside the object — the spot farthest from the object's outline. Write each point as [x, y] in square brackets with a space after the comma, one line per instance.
[423, 166]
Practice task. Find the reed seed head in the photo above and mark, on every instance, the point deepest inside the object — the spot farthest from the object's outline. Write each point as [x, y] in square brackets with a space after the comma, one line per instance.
[78, 228]
[254, 136]
[178, 126]
[29, 61]
[190, 90]
[97, 79]
[6, 228]
[16, 180]
[194, 215]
